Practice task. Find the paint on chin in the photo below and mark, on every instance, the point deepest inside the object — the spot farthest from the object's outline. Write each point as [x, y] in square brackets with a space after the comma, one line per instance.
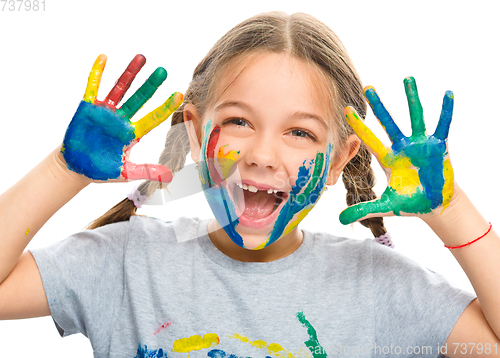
[302, 198]
[310, 184]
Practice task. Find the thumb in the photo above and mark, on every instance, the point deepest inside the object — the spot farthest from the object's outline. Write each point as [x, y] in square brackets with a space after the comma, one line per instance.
[154, 172]
[365, 210]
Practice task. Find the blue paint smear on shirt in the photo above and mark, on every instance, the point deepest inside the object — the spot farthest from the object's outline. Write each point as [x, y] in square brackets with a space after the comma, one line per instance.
[94, 141]
[146, 353]
[219, 353]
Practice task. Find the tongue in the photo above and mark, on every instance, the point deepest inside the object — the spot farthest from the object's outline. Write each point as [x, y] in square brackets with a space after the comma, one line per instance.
[258, 205]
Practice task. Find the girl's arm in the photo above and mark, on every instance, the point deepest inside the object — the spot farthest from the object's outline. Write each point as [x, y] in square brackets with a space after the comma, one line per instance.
[460, 223]
[421, 183]
[24, 209]
[96, 148]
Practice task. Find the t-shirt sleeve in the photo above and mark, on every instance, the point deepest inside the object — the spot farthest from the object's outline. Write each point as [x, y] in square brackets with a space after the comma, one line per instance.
[415, 308]
[83, 279]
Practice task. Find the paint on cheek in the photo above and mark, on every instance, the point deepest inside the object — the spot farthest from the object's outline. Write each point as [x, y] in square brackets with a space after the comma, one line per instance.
[301, 202]
[92, 130]
[217, 196]
[227, 161]
[195, 343]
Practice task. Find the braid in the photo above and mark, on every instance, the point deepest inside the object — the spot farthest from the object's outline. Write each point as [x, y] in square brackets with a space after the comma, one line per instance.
[175, 152]
[359, 179]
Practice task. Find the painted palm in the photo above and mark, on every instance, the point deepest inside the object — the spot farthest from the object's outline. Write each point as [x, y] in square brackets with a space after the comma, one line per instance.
[418, 168]
[99, 138]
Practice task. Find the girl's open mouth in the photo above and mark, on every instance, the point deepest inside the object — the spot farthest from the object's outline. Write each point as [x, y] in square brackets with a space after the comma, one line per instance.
[256, 208]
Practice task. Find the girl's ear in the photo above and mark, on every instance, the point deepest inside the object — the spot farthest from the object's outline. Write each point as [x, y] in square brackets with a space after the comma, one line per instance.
[192, 122]
[349, 150]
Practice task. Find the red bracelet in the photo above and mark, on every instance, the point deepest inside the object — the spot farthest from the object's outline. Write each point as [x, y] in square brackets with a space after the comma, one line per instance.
[470, 242]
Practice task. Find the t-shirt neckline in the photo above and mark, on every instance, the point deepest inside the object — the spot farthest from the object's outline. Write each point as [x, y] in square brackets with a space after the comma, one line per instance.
[222, 259]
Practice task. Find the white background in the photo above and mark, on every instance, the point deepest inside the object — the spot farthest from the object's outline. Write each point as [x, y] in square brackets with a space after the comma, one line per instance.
[46, 57]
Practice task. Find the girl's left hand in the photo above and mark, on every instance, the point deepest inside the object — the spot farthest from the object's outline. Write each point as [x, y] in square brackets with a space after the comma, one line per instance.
[418, 168]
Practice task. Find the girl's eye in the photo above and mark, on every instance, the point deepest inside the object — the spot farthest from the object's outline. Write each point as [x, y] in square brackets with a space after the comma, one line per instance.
[301, 133]
[237, 121]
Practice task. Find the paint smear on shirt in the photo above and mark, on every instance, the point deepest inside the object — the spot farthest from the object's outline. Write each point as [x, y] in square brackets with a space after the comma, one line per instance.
[271, 348]
[195, 343]
[149, 353]
[163, 326]
[313, 342]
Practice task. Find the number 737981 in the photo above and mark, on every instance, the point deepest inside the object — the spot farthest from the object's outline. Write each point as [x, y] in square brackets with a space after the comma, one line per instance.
[23, 5]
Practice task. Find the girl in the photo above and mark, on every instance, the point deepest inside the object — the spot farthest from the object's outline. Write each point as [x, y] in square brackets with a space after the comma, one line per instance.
[263, 117]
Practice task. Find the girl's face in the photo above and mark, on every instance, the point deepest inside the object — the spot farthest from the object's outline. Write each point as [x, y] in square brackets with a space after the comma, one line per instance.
[266, 149]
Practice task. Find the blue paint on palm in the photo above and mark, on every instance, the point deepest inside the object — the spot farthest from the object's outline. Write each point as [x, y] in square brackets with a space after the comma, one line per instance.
[427, 155]
[94, 142]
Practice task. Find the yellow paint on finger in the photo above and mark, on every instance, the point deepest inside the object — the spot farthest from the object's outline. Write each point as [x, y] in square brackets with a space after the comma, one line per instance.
[448, 184]
[28, 231]
[95, 79]
[158, 115]
[365, 133]
[195, 343]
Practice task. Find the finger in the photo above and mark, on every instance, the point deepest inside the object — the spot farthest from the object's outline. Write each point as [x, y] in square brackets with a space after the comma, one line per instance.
[121, 86]
[154, 172]
[143, 94]
[360, 211]
[157, 116]
[443, 126]
[416, 111]
[95, 79]
[383, 115]
[364, 133]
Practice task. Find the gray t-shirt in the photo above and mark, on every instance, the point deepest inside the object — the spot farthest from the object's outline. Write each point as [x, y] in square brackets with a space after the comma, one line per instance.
[135, 289]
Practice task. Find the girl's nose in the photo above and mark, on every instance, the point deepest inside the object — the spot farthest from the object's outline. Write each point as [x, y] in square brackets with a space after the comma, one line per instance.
[263, 153]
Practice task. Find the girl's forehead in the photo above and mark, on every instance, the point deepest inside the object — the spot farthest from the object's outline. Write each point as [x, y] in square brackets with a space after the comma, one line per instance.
[275, 82]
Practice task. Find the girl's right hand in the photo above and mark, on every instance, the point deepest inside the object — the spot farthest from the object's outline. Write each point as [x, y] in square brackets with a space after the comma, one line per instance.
[98, 140]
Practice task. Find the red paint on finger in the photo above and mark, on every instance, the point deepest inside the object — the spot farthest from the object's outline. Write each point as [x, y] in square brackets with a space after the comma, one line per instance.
[122, 85]
[154, 172]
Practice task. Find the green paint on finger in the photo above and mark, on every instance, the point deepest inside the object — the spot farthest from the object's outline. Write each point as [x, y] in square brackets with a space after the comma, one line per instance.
[390, 201]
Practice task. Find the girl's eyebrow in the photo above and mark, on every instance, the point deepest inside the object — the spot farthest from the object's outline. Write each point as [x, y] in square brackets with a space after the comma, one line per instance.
[237, 104]
[248, 108]
[307, 115]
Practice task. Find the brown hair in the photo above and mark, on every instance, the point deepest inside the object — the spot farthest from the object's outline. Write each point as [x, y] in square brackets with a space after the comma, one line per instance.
[303, 37]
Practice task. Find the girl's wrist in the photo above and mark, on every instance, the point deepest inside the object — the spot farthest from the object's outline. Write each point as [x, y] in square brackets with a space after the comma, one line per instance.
[60, 170]
[459, 223]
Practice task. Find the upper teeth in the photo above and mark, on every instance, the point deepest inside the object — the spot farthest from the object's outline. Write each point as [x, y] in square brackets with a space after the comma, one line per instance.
[254, 189]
